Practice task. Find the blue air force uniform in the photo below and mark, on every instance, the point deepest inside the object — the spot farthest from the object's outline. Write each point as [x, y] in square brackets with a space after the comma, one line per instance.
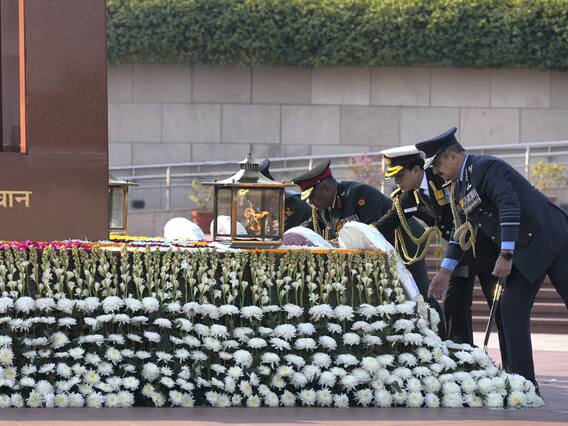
[507, 209]
[430, 204]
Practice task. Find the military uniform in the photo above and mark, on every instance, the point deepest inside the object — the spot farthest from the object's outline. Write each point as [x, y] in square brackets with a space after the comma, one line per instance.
[359, 202]
[504, 206]
[430, 204]
[296, 211]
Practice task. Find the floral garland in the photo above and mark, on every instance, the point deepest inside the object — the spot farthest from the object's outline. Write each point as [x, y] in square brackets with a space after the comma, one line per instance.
[83, 326]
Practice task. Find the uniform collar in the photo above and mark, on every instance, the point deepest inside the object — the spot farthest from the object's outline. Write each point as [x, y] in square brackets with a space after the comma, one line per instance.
[424, 183]
[462, 171]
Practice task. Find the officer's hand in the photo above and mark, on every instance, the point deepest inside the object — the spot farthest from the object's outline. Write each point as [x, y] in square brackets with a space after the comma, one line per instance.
[439, 284]
[502, 267]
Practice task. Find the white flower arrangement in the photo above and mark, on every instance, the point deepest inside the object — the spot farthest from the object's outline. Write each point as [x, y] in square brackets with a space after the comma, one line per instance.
[174, 335]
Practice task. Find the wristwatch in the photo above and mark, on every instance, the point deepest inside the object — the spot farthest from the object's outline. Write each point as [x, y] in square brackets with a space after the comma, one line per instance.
[507, 255]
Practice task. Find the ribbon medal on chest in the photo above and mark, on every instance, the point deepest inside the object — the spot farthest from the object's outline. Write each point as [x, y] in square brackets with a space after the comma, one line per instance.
[470, 201]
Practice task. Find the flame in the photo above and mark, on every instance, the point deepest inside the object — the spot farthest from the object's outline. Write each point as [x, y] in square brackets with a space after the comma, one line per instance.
[253, 218]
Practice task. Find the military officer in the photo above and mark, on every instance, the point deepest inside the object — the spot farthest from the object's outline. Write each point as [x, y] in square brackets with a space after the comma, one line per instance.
[530, 232]
[336, 203]
[424, 195]
[296, 210]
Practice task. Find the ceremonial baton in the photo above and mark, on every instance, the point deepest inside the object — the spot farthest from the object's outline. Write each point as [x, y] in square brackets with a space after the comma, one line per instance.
[497, 293]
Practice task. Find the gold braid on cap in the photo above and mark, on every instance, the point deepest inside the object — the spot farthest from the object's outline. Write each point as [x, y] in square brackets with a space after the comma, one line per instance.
[422, 242]
[465, 240]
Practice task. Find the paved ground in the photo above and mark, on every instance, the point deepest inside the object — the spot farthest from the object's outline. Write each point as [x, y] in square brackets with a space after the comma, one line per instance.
[551, 360]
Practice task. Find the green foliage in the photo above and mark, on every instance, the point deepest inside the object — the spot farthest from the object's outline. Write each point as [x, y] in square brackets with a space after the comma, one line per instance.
[201, 195]
[463, 33]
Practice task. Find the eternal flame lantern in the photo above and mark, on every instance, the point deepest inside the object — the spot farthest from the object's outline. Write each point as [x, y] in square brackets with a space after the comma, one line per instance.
[248, 208]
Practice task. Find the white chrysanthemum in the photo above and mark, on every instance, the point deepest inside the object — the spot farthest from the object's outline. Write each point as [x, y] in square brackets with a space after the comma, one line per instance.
[207, 310]
[311, 372]
[346, 360]
[150, 304]
[298, 380]
[367, 311]
[516, 399]
[378, 325]
[235, 372]
[46, 368]
[66, 305]
[361, 375]
[321, 359]
[184, 324]
[473, 400]
[218, 330]
[324, 398]
[212, 344]
[404, 325]
[351, 339]
[27, 382]
[285, 331]
[270, 358]
[256, 343]
[243, 358]
[431, 400]
[130, 382]
[318, 312]
[242, 333]
[251, 312]
[277, 382]
[112, 304]
[44, 387]
[245, 387]
[468, 385]
[415, 339]
[500, 384]
[198, 356]
[341, 400]
[383, 398]
[386, 309]
[413, 385]
[35, 399]
[181, 354]
[436, 367]
[305, 343]
[121, 319]
[270, 309]
[288, 399]
[385, 360]
[228, 310]
[113, 355]
[402, 372]
[163, 323]
[431, 384]
[494, 400]
[25, 304]
[63, 370]
[452, 400]
[451, 387]
[45, 304]
[253, 401]
[361, 326]
[164, 357]
[152, 337]
[327, 378]
[133, 304]
[406, 308]
[407, 359]
[295, 360]
[6, 303]
[414, 400]
[150, 371]
[285, 370]
[334, 328]
[293, 311]
[464, 357]
[516, 382]
[327, 342]
[349, 382]
[421, 371]
[6, 356]
[306, 328]
[364, 397]
[343, 312]
[148, 390]
[143, 355]
[201, 330]
[279, 344]
[138, 320]
[308, 397]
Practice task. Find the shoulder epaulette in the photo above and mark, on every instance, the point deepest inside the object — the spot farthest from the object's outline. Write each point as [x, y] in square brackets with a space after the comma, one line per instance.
[396, 192]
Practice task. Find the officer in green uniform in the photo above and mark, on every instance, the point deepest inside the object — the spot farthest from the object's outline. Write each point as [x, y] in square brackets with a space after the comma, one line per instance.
[336, 203]
[426, 196]
[296, 210]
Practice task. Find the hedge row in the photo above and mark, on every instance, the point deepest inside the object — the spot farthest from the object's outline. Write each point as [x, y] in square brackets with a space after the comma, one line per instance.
[462, 33]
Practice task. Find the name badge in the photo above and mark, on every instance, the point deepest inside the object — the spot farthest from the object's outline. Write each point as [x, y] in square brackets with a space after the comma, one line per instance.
[411, 209]
[470, 201]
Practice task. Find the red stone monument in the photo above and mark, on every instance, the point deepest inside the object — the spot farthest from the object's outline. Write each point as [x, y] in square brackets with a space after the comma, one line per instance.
[54, 150]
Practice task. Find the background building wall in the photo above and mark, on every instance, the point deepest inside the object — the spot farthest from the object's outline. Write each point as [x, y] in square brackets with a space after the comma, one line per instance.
[177, 113]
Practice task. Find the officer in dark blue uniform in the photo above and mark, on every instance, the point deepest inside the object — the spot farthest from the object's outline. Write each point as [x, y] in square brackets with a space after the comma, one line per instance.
[426, 196]
[296, 210]
[530, 232]
[336, 203]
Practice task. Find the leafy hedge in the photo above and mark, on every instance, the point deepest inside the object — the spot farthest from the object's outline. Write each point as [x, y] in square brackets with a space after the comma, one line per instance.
[463, 33]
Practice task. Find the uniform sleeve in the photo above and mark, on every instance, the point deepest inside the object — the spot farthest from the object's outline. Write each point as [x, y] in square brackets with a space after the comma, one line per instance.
[495, 184]
[300, 212]
[390, 221]
[371, 204]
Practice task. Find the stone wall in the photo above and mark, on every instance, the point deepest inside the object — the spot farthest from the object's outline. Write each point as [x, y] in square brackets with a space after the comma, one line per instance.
[176, 113]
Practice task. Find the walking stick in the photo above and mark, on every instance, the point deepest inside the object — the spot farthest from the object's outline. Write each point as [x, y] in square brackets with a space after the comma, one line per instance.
[497, 293]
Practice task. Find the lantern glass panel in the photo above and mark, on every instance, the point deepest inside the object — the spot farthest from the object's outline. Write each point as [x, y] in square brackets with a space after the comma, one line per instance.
[258, 210]
[224, 209]
[116, 207]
